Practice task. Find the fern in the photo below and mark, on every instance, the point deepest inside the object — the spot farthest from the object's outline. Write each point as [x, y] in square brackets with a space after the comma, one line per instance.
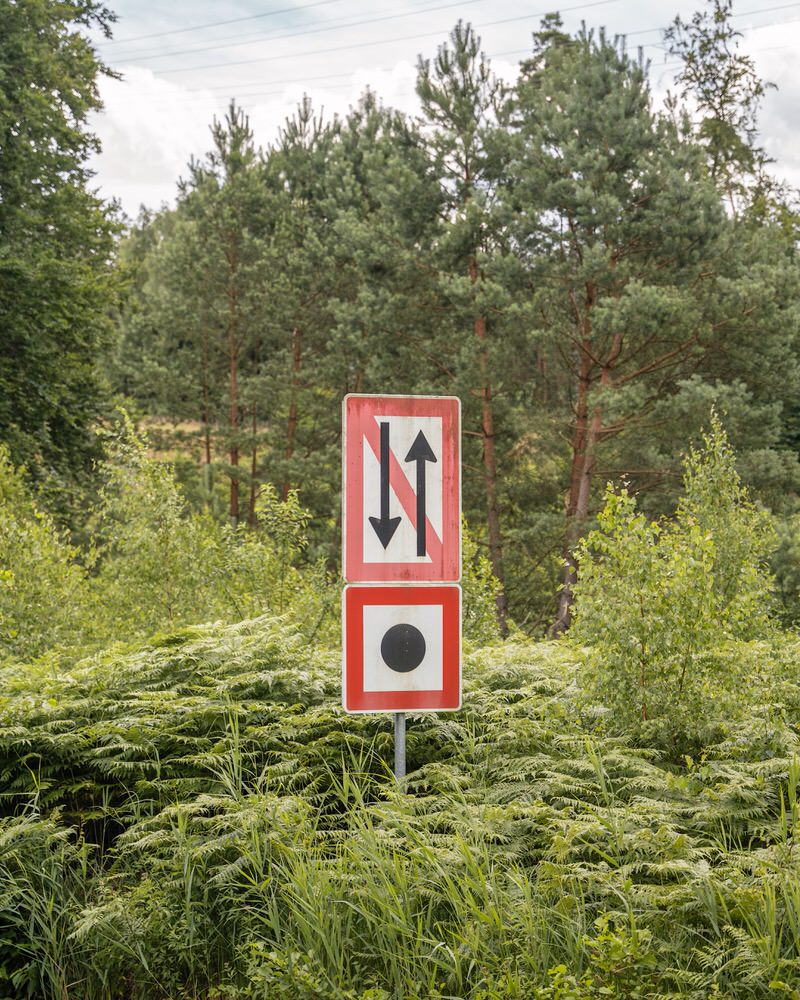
[244, 827]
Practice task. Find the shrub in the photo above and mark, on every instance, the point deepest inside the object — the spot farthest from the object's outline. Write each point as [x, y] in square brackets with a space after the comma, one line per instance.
[43, 592]
[657, 601]
[162, 565]
[199, 819]
[480, 588]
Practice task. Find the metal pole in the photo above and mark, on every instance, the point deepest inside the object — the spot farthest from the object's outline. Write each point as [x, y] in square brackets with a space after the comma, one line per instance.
[399, 745]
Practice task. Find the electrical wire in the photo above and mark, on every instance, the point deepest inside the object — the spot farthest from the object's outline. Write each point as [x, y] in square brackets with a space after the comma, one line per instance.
[218, 24]
[251, 97]
[314, 31]
[331, 24]
[231, 42]
[374, 42]
[203, 94]
[199, 94]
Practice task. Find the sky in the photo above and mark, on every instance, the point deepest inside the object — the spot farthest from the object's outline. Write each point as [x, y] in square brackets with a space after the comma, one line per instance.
[182, 62]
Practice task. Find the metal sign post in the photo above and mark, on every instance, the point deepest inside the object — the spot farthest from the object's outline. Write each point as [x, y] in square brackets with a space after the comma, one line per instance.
[400, 746]
[401, 549]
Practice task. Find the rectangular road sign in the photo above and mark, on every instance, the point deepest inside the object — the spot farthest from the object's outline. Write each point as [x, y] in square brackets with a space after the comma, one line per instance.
[402, 488]
[402, 648]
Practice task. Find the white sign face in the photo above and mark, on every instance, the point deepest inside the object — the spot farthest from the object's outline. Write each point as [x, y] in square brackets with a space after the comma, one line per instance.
[401, 433]
[402, 488]
[403, 647]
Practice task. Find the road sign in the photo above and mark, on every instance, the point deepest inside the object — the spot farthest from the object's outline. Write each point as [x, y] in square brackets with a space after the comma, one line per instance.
[402, 648]
[402, 488]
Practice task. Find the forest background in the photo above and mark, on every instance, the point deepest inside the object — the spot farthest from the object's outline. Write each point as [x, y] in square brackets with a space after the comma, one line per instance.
[590, 276]
[612, 291]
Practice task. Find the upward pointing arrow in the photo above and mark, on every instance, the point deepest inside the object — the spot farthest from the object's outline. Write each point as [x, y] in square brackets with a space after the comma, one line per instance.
[384, 525]
[421, 452]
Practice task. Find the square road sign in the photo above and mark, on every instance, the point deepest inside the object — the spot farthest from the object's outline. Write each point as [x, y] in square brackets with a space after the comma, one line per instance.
[402, 648]
[402, 488]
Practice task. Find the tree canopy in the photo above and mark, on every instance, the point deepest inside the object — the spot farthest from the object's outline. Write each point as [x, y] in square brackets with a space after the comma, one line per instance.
[56, 239]
[588, 272]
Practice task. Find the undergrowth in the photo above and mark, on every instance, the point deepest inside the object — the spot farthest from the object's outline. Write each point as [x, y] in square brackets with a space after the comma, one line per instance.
[198, 818]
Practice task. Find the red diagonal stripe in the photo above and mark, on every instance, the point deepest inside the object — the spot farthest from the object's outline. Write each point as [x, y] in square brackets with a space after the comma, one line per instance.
[404, 491]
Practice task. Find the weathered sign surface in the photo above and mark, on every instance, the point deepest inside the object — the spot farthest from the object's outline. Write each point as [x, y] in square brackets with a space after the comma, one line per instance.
[402, 648]
[402, 488]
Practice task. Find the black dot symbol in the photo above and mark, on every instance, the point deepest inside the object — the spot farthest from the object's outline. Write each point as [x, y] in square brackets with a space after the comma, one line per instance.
[403, 648]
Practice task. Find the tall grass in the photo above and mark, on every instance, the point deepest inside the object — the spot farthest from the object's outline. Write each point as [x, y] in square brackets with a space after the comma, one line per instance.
[198, 819]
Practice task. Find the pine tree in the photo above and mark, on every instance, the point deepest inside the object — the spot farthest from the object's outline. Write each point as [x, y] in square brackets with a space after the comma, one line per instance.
[222, 280]
[640, 293]
[459, 96]
[298, 318]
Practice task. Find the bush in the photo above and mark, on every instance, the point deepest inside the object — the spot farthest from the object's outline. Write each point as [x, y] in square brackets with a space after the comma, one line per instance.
[199, 819]
[480, 588]
[656, 602]
[44, 599]
[153, 565]
[162, 565]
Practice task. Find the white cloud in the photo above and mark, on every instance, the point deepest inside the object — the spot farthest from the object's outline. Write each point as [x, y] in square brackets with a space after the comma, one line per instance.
[775, 52]
[157, 118]
[149, 130]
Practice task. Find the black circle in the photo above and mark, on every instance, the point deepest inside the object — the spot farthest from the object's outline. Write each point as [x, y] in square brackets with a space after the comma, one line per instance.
[403, 648]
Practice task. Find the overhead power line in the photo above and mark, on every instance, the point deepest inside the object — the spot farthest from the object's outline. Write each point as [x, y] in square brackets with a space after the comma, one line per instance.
[336, 27]
[311, 31]
[219, 24]
[247, 36]
[248, 93]
[663, 67]
[373, 42]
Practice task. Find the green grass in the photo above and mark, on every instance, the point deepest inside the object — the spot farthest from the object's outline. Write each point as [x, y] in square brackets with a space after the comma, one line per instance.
[198, 818]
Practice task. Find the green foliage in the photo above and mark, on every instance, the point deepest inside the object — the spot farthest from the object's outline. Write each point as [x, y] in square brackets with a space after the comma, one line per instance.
[715, 499]
[640, 285]
[152, 554]
[786, 566]
[154, 564]
[480, 590]
[44, 877]
[564, 986]
[56, 281]
[194, 816]
[657, 601]
[161, 564]
[553, 252]
[726, 93]
[251, 839]
[620, 963]
[44, 598]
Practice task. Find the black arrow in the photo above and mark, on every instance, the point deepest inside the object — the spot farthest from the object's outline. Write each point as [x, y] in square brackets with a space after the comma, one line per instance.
[384, 525]
[420, 452]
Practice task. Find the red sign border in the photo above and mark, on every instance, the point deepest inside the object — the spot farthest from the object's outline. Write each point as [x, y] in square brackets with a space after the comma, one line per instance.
[355, 699]
[447, 569]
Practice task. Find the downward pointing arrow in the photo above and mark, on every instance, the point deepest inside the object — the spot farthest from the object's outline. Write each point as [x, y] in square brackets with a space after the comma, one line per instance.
[384, 525]
[421, 452]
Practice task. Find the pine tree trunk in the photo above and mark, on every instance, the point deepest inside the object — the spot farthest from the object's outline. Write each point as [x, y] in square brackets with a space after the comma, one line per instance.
[584, 438]
[579, 472]
[251, 507]
[206, 459]
[577, 513]
[233, 375]
[291, 427]
[489, 461]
